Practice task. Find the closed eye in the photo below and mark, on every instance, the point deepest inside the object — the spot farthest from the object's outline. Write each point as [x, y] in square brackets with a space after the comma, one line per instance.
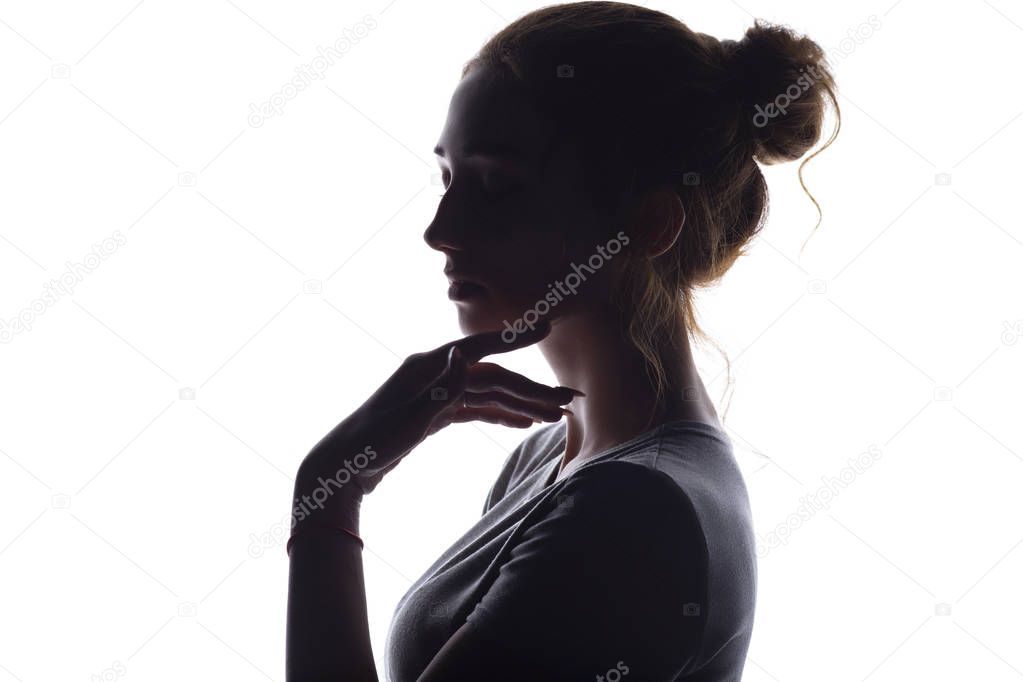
[496, 187]
[496, 196]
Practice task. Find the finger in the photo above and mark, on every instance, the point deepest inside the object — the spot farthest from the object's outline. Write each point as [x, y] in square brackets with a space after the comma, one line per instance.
[445, 390]
[476, 346]
[487, 376]
[526, 408]
[491, 415]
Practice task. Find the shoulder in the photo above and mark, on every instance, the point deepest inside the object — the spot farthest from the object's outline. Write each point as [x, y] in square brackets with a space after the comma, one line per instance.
[621, 483]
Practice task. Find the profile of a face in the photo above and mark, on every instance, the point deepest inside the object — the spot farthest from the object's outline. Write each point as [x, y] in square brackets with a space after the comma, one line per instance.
[514, 218]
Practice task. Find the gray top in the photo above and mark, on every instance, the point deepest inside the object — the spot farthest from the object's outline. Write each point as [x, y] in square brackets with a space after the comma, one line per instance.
[639, 560]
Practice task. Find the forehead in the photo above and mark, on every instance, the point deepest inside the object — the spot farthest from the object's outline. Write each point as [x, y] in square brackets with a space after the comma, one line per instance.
[491, 116]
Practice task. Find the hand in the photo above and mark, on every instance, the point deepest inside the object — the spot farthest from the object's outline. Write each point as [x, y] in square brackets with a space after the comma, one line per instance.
[426, 394]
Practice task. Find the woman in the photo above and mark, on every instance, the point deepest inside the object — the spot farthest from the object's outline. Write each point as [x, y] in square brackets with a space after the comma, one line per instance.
[600, 163]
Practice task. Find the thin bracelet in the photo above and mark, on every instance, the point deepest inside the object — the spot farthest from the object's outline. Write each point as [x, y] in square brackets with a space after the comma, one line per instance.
[287, 547]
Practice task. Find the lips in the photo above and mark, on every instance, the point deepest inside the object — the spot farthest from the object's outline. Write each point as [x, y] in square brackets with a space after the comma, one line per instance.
[455, 277]
[461, 291]
[463, 287]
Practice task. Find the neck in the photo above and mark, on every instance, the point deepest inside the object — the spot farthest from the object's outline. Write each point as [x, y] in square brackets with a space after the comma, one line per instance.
[588, 351]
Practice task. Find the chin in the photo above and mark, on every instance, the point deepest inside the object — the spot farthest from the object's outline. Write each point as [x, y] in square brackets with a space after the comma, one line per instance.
[478, 316]
[485, 314]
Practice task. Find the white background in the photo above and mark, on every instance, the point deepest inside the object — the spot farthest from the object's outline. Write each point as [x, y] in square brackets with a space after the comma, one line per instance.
[127, 508]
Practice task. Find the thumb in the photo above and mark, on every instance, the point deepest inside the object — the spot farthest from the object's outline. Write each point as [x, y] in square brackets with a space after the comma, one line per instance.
[453, 378]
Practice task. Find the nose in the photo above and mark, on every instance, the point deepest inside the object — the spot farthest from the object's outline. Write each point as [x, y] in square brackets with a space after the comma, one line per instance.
[442, 233]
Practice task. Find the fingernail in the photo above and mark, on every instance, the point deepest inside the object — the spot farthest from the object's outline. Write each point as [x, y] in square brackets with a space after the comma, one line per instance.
[565, 410]
[566, 388]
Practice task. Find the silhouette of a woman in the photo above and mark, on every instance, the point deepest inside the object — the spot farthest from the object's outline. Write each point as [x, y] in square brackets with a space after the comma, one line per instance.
[600, 161]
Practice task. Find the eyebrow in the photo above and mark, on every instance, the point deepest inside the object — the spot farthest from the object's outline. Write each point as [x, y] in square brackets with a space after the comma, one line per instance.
[492, 149]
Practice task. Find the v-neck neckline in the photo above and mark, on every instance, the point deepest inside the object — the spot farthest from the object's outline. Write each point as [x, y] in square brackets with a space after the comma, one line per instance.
[557, 473]
[552, 476]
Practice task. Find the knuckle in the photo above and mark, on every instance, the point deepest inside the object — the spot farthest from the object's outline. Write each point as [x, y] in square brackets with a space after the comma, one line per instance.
[412, 359]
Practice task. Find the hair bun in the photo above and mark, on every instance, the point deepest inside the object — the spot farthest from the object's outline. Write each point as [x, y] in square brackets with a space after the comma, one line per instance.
[784, 85]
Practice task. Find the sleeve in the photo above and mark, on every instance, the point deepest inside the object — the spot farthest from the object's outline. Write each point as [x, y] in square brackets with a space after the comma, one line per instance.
[611, 577]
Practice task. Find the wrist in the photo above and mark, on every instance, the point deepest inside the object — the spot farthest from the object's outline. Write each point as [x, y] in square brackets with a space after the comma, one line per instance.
[324, 499]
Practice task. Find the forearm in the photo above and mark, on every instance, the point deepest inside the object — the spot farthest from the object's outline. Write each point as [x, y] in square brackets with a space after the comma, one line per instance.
[328, 628]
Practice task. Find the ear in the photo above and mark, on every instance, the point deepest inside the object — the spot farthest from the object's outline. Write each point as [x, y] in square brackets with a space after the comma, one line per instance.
[659, 220]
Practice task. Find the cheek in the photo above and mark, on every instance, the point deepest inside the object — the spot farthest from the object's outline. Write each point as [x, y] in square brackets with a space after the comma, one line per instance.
[525, 266]
[530, 244]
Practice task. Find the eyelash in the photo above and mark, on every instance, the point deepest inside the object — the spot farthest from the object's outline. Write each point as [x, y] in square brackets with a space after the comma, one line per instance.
[501, 195]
